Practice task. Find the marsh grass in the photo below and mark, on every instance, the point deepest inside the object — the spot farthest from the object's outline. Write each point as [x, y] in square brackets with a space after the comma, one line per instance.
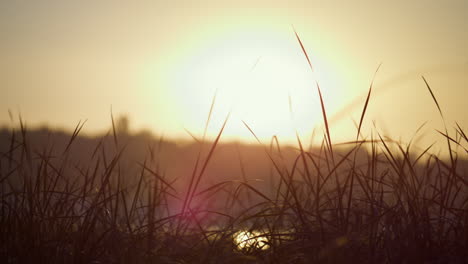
[372, 200]
[382, 203]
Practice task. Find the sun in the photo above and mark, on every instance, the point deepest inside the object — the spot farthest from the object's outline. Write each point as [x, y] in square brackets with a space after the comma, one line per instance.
[260, 77]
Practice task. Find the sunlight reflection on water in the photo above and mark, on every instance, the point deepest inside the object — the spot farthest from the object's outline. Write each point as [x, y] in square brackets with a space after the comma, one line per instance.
[250, 239]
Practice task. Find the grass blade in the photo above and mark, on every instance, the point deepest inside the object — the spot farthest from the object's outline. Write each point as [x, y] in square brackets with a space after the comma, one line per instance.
[433, 96]
[303, 50]
[367, 102]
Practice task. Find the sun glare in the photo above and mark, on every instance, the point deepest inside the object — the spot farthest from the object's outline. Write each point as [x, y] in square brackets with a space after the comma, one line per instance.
[259, 76]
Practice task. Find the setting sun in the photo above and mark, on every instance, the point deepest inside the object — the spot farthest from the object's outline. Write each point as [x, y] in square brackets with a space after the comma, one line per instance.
[259, 76]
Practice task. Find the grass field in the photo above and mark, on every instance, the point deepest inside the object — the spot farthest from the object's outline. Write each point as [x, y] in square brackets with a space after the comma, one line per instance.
[371, 200]
[72, 199]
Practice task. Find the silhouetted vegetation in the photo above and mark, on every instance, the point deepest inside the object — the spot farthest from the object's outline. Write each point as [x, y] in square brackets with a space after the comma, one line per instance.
[136, 198]
[123, 197]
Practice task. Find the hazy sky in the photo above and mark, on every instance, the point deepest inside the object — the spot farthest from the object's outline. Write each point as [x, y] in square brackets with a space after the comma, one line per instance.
[160, 62]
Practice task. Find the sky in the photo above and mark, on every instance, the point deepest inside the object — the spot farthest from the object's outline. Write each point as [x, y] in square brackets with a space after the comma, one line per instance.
[161, 63]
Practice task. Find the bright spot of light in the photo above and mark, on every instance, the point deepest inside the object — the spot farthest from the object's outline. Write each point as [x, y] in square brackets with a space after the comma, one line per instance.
[250, 240]
[259, 76]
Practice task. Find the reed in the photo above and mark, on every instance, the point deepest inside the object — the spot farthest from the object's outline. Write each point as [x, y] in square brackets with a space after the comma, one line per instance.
[371, 200]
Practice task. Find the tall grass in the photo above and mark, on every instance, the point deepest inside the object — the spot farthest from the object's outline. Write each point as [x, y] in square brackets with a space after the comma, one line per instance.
[372, 200]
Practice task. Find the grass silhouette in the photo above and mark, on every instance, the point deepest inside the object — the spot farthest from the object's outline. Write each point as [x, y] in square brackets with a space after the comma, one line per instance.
[371, 200]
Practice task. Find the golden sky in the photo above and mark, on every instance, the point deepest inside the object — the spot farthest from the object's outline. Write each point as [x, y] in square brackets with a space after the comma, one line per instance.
[161, 63]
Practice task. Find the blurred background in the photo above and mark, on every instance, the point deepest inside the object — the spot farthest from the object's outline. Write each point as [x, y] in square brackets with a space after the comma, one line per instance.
[161, 63]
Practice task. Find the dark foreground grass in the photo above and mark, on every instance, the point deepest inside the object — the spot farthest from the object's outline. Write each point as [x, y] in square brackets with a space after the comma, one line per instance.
[375, 201]
[391, 205]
